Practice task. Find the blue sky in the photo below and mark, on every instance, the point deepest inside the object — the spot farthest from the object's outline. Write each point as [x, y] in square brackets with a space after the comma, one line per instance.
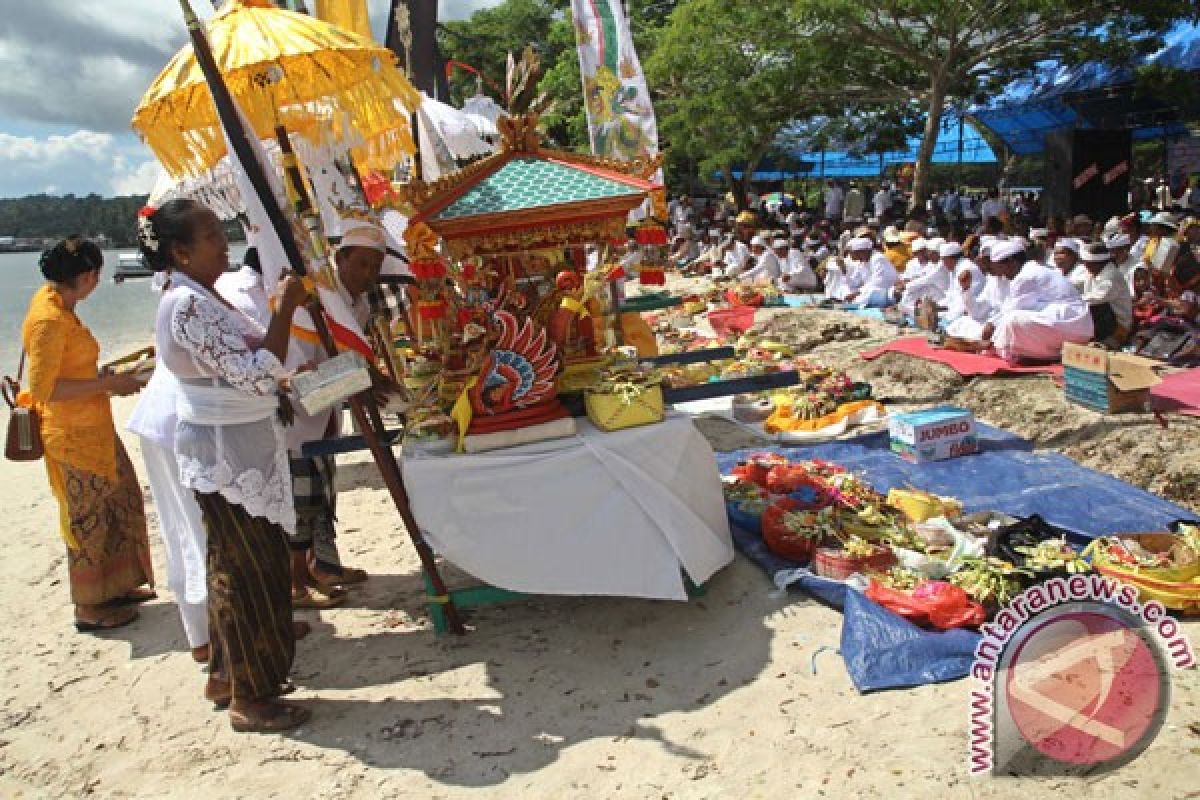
[73, 72]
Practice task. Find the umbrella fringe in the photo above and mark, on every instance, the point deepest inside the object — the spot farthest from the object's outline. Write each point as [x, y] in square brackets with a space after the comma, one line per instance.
[177, 121]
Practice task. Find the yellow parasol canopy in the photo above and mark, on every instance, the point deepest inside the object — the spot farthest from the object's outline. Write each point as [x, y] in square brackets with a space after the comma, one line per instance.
[286, 68]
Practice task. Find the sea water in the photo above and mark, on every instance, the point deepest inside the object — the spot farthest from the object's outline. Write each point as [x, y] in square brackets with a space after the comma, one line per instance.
[119, 315]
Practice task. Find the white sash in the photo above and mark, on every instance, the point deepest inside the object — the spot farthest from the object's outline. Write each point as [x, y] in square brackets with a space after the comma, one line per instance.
[222, 405]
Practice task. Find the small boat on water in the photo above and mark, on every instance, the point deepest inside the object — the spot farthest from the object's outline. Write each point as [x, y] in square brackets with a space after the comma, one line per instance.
[131, 265]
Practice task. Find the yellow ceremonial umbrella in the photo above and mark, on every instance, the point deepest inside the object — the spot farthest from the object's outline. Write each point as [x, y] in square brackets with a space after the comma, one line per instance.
[285, 68]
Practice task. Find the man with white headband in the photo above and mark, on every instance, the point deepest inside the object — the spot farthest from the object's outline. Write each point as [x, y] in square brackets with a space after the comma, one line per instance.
[1120, 247]
[919, 262]
[737, 248]
[977, 296]
[846, 275]
[1066, 257]
[766, 267]
[878, 276]
[934, 283]
[316, 563]
[712, 253]
[1042, 312]
[1107, 294]
[798, 273]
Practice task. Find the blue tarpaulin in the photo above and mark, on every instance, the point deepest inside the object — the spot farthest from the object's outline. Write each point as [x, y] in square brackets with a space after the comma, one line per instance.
[1091, 95]
[884, 651]
[810, 161]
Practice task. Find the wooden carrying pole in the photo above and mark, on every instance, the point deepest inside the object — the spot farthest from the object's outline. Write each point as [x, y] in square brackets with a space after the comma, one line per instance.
[362, 406]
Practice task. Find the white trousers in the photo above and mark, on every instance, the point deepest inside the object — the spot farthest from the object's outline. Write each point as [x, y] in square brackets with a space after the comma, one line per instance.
[1041, 334]
[184, 540]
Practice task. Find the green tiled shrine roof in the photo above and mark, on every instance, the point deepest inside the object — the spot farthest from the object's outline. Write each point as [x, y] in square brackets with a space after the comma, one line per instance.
[531, 183]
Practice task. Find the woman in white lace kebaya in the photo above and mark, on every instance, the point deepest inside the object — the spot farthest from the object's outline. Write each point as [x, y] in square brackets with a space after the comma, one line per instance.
[231, 452]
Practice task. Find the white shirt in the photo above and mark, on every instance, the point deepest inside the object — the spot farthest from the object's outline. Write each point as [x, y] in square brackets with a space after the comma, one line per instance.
[855, 204]
[1037, 286]
[1110, 287]
[766, 267]
[1139, 247]
[312, 428]
[1126, 269]
[934, 283]
[737, 255]
[915, 268]
[797, 272]
[983, 301]
[245, 291]
[1164, 253]
[880, 277]
[992, 207]
[882, 202]
[834, 199]
[1078, 276]
[205, 343]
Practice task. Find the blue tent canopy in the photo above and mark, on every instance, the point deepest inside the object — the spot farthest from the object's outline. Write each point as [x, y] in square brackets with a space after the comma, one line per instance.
[812, 162]
[1091, 95]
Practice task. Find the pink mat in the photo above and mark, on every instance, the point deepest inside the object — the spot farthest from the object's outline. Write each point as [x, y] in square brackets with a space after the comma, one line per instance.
[965, 364]
[1179, 392]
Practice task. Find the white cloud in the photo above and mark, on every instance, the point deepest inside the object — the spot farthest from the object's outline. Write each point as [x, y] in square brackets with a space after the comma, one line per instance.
[73, 73]
[83, 162]
[55, 148]
[136, 180]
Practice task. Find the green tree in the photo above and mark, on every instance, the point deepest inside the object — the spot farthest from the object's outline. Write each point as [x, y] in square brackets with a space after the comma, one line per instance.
[932, 51]
[729, 78]
[52, 217]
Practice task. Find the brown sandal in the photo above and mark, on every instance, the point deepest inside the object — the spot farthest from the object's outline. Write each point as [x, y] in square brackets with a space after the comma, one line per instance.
[134, 596]
[117, 618]
[317, 599]
[220, 692]
[281, 717]
[336, 584]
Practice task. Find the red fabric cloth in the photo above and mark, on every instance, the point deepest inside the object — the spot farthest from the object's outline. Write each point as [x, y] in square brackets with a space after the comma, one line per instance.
[1179, 392]
[725, 321]
[965, 364]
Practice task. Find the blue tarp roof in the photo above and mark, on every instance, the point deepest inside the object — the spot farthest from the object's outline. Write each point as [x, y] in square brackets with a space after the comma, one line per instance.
[1053, 100]
[845, 164]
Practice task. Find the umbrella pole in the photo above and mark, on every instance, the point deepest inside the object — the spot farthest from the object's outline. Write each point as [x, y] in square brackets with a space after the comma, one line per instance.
[365, 410]
[245, 154]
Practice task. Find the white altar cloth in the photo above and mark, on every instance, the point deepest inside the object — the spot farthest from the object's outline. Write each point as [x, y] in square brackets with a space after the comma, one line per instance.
[594, 514]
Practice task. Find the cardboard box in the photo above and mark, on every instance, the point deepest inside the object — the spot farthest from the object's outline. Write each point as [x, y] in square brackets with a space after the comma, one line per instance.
[934, 434]
[1111, 383]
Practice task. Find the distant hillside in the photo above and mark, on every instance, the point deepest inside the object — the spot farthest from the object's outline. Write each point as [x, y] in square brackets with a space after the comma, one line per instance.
[43, 216]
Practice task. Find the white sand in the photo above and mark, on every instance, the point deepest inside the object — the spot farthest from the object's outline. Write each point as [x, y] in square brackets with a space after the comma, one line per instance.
[552, 698]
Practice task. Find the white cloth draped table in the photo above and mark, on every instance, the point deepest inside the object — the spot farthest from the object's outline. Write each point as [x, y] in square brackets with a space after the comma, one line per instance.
[615, 514]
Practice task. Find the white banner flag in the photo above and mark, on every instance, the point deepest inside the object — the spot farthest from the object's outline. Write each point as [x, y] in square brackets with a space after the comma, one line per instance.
[621, 120]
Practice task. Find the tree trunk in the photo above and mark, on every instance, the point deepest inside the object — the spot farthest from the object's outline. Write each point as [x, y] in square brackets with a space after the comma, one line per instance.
[933, 126]
[737, 187]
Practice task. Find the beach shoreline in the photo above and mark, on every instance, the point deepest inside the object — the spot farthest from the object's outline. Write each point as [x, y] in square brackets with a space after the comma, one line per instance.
[738, 692]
